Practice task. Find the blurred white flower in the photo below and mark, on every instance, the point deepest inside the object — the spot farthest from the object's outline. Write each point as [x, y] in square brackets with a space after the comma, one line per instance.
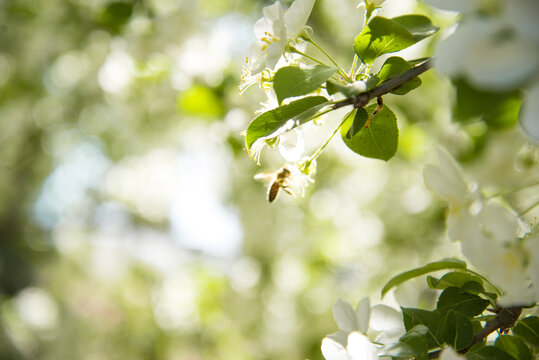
[358, 347]
[500, 51]
[455, 5]
[529, 113]
[487, 231]
[275, 30]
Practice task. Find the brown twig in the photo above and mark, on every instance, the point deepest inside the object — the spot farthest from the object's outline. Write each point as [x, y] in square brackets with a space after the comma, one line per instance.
[361, 100]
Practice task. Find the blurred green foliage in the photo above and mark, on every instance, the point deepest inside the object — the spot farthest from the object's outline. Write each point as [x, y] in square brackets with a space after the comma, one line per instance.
[130, 225]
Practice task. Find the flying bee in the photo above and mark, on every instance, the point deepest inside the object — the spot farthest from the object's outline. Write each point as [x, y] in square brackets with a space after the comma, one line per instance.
[280, 179]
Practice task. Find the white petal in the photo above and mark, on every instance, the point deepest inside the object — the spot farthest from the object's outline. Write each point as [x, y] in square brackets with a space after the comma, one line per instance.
[332, 350]
[274, 11]
[296, 16]
[532, 246]
[345, 316]
[274, 53]
[363, 312]
[292, 145]
[522, 15]
[454, 5]
[529, 113]
[262, 27]
[452, 51]
[499, 222]
[501, 64]
[462, 226]
[450, 354]
[360, 347]
[384, 317]
[340, 336]
[446, 179]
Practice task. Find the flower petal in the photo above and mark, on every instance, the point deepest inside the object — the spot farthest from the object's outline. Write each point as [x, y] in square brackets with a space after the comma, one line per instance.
[296, 17]
[363, 313]
[446, 180]
[345, 316]
[360, 347]
[332, 350]
[529, 114]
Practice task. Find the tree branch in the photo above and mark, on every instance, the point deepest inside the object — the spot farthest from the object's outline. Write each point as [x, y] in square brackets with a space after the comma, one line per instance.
[505, 318]
[362, 99]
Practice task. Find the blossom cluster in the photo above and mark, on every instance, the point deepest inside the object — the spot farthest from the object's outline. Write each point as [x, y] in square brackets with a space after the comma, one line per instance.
[496, 48]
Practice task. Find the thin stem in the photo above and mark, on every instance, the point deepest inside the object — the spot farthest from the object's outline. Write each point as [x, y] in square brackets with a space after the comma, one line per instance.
[517, 189]
[354, 64]
[524, 212]
[339, 69]
[319, 151]
[307, 56]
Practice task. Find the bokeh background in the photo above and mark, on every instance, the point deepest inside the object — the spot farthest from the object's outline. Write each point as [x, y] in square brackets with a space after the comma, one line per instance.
[130, 223]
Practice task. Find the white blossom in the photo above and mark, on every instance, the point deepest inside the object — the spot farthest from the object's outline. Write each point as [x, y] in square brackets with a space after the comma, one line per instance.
[275, 30]
[380, 322]
[358, 347]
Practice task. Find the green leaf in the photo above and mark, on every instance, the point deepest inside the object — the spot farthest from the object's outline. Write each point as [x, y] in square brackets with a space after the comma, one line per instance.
[514, 346]
[381, 36]
[360, 118]
[292, 81]
[431, 319]
[454, 278]
[489, 353]
[449, 263]
[528, 330]
[457, 330]
[299, 111]
[417, 338]
[499, 110]
[379, 139]
[419, 26]
[454, 299]
[394, 66]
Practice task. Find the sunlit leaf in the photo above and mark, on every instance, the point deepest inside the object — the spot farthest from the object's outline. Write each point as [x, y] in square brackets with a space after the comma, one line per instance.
[444, 264]
[298, 112]
[455, 278]
[394, 66]
[381, 36]
[292, 81]
[419, 26]
[377, 138]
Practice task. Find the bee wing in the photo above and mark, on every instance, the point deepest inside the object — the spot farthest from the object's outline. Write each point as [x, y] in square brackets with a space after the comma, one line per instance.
[264, 176]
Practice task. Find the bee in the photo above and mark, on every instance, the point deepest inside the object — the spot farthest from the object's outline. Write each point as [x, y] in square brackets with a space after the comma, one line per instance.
[280, 179]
